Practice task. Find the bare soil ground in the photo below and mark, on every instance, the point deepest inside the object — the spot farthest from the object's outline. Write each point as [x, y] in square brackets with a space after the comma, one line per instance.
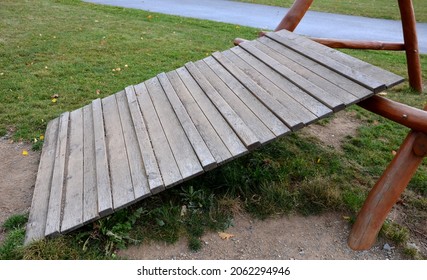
[17, 177]
[293, 237]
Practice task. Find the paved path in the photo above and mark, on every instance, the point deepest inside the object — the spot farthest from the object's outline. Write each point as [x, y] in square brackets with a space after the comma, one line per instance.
[316, 24]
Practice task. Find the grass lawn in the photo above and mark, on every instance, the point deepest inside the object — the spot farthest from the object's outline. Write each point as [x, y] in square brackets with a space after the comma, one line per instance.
[387, 9]
[72, 52]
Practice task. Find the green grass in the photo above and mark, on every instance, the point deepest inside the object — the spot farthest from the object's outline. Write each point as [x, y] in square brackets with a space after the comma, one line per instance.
[69, 49]
[387, 9]
[82, 43]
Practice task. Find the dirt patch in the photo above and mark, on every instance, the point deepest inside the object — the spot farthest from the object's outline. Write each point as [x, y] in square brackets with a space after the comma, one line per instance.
[295, 237]
[342, 125]
[17, 177]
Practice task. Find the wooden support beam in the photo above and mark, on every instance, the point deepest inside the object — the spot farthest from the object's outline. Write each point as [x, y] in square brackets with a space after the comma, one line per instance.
[411, 44]
[408, 116]
[387, 191]
[367, 45]
[294, 15]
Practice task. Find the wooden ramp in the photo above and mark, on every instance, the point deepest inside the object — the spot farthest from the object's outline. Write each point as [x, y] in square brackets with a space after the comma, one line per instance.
[177, 125]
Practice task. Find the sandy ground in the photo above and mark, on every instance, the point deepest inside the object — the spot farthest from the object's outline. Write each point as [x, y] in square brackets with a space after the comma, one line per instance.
[17, 178]
[301, 238]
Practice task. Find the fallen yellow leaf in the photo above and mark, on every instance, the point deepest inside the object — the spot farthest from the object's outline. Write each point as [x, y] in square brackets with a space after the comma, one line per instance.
[25, 153]
[225, 236]
[41, 137]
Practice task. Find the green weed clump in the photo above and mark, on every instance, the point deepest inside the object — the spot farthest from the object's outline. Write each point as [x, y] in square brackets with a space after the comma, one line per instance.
[12, 246]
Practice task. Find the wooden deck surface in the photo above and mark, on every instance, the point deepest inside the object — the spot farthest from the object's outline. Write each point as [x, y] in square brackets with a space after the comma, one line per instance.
[177, 125]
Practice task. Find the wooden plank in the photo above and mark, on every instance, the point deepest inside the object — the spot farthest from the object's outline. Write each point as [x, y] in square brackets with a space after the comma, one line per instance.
[53, 219]
[183, 152]
[283, 113]
[216, 146]
[250, 119]
[296, 79]
[337, 79]
[105, 201]
[206, 159]
[165, 159]
[225, 132]
[245, 134]
[336, 93]
[263, 113]
[121, 183]
[37, 220]
[73, 203]
[90, 193]
[277, 83]
[388, 78]
[136, 166]
[296, 110]
[346, 70]
[150, 164]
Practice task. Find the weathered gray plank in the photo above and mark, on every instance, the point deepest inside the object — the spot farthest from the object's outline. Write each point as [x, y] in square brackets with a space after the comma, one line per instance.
[294, 114]
[53, 221]
[345, 70]
[73, 203]
[150, 163]
[388, 78]
[206, 159]
[137, 170]
[336, 93]
[105, 201]
[90, 193]
[247, 116]
[37, 220]
[165, 159]
[217, 148]
[121, 183]
[296, 79]
[277, 84]
[276, 107]
[183, 152]
[226, 133]
[239, 126]
[332, 76]
[263, 113]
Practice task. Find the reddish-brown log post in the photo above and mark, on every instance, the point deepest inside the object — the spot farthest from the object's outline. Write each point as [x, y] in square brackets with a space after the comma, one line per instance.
[386, 192]
[294, 15]
[411, 44]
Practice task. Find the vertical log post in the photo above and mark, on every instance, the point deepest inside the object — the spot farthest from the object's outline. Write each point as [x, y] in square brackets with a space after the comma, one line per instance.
[387, 190]
[294, 15]
[411, 44]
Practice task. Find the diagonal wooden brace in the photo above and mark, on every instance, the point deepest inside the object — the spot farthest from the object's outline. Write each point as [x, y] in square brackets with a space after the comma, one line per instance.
[387, 191]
